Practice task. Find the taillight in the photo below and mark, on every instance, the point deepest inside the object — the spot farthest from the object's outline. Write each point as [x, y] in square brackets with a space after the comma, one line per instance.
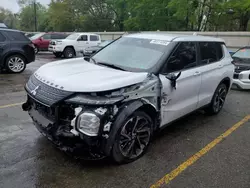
[32, 45]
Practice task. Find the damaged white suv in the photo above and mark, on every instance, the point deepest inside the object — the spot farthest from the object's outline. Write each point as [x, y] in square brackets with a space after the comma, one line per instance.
[112, 103]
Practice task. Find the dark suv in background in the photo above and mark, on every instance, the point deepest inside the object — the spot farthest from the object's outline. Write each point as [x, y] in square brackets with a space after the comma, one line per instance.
[42, 40]
[16, 50]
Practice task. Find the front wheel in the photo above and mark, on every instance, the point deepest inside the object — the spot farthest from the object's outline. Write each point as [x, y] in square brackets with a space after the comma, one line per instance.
[133, 138]
[15, 64]
[218, 100]
[69, 52]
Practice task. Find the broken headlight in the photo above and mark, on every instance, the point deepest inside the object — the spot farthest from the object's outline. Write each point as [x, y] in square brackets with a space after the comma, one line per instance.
[88, 123]
[94, 100]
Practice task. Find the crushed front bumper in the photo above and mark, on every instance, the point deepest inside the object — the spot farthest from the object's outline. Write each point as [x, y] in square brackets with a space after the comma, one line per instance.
[66, 141]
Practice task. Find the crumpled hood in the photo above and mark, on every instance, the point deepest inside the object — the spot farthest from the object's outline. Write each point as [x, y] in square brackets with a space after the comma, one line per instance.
[78, 75]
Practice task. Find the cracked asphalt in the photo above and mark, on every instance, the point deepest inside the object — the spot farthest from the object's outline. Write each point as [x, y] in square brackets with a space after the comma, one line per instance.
[27, 159]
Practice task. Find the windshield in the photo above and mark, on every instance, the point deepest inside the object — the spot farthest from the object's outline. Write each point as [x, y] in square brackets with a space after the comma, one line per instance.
[105, 43]
[73, 36]
[36, 36]
[134, 54]
[243, 53]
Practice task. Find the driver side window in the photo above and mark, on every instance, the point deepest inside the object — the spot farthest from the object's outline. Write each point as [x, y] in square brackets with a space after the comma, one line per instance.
[184, 57]
[83, 38]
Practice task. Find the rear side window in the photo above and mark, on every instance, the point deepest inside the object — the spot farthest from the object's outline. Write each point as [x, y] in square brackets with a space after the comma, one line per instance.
[16, 36]
[94, 38]
[2, 38]
[210, 52]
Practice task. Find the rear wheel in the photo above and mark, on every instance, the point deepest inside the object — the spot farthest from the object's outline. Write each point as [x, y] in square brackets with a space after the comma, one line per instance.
[133, 138]
[218, 100]
[58, 54]
[69, 52]
[15, 63]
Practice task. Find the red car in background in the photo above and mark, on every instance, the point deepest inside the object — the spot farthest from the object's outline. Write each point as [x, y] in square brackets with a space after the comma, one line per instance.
[42, 40]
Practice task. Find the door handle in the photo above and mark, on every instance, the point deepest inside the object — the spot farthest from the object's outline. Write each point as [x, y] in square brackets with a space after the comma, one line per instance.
[197, 73]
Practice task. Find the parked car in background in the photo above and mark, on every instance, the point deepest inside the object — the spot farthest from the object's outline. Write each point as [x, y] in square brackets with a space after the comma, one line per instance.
[135, 86]
[74, 44]
[93, 49]
[241, 60]
[29, 35]
[16, 50]
[42, 40]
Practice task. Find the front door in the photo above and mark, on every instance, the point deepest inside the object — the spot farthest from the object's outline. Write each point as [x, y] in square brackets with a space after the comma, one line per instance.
[82, 43]
[179, 101]
[45, 40]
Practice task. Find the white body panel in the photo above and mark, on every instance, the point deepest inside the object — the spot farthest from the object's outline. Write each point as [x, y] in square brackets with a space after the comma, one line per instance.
[78, 45]
[243, 82]
[183, 100]
[78, 75]
[212, 74]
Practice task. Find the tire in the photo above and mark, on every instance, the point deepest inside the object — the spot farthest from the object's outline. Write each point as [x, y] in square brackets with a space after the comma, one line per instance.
[127, 139]
[36, 50]
[58, 54]
[15, 63]
[69, 52]
[218, 100]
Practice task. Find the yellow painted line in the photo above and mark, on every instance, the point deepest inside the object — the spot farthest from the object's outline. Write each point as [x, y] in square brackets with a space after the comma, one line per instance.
[11, 105]
[172, 175]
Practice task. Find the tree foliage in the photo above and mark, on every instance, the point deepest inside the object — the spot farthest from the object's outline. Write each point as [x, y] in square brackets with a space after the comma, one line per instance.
[133, 15]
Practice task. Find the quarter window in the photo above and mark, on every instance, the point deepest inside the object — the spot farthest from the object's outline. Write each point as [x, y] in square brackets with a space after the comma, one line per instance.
[210, 52]
[184, 57]
[94, 38]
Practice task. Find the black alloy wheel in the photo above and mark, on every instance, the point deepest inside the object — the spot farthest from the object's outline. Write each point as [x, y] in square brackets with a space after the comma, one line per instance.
[133, 138]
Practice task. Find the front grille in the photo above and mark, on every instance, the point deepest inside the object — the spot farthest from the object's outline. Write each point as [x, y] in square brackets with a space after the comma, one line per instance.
[53, 42]
[239, 69]
[44, 93]
[236, 76]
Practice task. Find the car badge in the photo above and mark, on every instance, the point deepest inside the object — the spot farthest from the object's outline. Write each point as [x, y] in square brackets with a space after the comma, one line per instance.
[34, 91]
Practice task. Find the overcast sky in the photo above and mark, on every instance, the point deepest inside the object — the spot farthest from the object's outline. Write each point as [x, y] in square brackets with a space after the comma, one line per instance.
[13, 6]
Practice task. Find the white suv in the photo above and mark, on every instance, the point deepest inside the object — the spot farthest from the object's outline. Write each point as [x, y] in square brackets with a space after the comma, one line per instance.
[74, 44]
[112, 103]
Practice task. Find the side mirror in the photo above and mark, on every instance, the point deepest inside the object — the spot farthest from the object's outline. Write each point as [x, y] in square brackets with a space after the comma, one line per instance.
[41, 38]
[172, 77]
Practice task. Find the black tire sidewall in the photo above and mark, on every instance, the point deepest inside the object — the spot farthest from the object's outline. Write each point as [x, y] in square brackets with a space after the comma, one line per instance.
[7, 67]
[210, 110]
[36, 50]
[116, 153]
[67, 49]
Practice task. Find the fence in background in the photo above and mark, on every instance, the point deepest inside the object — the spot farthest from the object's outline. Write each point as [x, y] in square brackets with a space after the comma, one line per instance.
[234, 40]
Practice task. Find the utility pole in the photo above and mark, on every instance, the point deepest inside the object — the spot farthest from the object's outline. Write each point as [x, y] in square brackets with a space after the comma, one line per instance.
[35, 17]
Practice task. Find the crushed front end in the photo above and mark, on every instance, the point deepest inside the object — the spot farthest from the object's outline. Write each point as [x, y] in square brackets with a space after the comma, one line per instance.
[75, 123]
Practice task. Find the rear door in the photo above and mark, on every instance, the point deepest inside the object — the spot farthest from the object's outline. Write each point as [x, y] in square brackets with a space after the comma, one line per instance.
[94, 40]
[184, 99]
[211, 63]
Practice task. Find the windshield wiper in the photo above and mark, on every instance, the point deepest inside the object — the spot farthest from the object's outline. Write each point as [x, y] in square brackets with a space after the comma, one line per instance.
[110, 65]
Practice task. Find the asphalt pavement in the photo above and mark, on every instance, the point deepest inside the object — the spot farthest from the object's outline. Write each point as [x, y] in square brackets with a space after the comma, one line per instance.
[27, 159]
